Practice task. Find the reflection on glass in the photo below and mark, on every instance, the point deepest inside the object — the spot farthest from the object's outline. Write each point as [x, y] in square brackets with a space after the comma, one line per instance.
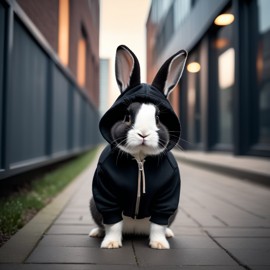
[226, 82]
[221, 43]
[194, 99]
[226, 69]
[263, 69]
[225, 62]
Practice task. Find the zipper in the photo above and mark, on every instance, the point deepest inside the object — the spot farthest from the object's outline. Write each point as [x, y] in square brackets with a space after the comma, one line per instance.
[141, 178]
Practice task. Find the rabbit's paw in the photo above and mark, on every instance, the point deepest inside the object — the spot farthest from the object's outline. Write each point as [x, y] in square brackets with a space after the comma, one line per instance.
[160, 244]
[97, 233]
[169, 233]
[111, 243]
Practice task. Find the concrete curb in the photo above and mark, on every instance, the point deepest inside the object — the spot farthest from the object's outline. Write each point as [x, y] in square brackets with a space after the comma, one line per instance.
[18, 248]
[256, 170]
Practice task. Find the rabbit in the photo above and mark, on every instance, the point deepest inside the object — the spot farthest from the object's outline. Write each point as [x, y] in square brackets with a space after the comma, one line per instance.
[136, 186]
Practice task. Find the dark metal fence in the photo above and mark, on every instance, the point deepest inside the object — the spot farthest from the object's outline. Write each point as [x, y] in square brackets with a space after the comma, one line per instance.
[44, 115]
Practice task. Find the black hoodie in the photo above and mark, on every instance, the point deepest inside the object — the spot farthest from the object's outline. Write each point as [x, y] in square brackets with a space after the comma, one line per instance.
[115, 183]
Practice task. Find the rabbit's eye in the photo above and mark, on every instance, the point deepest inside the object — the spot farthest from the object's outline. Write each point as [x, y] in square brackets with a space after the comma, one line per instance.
[127, 119]
[157, 119]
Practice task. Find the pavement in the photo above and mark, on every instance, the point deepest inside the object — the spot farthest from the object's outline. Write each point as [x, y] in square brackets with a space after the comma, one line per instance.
[223, 224]
[254, 169]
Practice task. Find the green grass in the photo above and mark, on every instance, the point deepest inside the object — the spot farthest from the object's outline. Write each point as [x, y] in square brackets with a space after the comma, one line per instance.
[17, 209]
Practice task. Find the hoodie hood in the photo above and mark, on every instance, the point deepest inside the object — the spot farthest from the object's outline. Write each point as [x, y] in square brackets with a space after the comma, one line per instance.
[142, 93]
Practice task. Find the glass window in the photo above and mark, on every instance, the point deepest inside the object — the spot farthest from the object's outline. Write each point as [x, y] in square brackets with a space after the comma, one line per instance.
[194, 100]
[181, 11]
[263, 70]
[223, 68]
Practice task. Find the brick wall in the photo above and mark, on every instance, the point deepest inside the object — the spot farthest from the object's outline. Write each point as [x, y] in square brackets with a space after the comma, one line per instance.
[44, 14]
[84, 14]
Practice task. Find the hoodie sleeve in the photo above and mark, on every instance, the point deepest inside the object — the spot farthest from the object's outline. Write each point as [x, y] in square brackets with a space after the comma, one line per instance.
[167, 200]
[105, 198]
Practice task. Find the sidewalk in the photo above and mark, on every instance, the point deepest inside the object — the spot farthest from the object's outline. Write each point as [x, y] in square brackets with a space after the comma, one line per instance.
[223, 224]
[255, 169]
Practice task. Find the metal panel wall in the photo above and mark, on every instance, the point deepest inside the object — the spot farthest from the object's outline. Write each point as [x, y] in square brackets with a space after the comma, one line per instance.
[2, 38]
[27, 99]
[89, 125]
[77, 119]
[60, 91]
[44, 115]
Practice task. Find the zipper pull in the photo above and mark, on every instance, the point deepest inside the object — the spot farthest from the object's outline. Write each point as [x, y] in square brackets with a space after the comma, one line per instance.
[140, 165]
[141, 168]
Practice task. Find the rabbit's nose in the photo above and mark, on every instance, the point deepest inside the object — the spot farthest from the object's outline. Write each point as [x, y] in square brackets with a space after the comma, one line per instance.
[143, 135]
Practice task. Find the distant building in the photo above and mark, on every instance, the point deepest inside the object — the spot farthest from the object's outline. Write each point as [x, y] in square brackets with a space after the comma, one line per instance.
[104, 85]
[224, 95]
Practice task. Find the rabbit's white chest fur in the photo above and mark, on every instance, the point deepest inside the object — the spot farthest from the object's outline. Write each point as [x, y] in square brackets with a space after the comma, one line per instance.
[136, 226]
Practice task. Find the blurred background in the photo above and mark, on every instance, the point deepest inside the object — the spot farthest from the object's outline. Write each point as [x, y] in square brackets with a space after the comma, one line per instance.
[57, 73]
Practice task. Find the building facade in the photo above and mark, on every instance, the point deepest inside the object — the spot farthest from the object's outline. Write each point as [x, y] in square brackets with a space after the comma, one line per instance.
[49, 81]
[224, 95]
[104, 82]
[72, 29]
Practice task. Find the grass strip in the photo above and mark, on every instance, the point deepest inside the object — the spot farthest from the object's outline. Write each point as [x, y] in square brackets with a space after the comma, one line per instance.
[17, 209]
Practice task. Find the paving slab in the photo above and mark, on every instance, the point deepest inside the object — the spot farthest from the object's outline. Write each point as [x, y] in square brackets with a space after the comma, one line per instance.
[182, 242]
[69, 241]
[74, 221]
[195, 256]
[178, 230]
[68, 267]
[192, 242]
[239, 232]
[244, 243]
[256, 267]
[83, 255]
[186, 267]
[252, 256]
[70, 229]
[112, 267]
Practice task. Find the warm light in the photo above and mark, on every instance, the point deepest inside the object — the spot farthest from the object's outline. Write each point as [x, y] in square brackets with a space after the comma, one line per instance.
[224, 19]
[81, 62]
[63, 31]
[259, 63]
[191, 96]
[226, 69]
[221, 43]
[193, 67]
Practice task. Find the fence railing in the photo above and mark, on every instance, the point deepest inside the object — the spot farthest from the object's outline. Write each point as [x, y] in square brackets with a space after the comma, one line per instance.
[44, 115]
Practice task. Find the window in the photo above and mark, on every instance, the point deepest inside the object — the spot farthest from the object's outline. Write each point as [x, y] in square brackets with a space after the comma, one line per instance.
[81, 61]
[261, 20]
[181, 10]
[193, 97]
[174, 99]
[223, 61]
[63, 31]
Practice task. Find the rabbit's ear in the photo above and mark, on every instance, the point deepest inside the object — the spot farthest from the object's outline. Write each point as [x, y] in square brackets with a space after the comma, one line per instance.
[170, 73]
[127, 68]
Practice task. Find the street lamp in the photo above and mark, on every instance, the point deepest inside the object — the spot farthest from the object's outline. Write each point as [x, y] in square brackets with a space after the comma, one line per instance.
[224, 19]
[193, 67]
